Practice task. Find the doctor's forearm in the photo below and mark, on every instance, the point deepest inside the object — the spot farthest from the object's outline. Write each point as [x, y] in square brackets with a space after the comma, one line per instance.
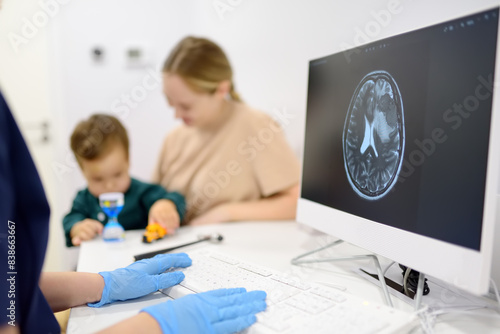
[67, 289]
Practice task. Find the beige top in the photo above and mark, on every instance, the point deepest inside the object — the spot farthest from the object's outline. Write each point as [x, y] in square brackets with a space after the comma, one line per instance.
[244, 157]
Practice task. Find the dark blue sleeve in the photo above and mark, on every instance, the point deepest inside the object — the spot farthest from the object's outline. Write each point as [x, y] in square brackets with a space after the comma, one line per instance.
[179, 201]
[24, 219]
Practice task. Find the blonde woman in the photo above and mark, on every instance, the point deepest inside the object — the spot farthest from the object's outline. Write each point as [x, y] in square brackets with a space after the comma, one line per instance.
[230, 162]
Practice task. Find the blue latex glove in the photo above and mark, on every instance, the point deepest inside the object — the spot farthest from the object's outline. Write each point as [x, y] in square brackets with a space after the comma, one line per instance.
[141, 278]
[218, 311]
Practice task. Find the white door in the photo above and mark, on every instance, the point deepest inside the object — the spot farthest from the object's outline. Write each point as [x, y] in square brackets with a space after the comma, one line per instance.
[24, 80]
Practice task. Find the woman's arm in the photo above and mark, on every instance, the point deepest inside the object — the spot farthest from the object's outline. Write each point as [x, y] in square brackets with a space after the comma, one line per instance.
[67, 289]
[282, 205]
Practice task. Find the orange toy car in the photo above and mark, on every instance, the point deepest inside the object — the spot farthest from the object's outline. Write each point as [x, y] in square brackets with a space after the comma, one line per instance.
[153, 232]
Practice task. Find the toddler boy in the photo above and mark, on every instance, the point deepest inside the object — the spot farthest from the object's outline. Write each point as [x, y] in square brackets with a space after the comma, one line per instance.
[101, 147]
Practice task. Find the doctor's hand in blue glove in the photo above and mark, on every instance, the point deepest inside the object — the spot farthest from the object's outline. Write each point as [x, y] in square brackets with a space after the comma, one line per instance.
[219, 311]
[142, 278]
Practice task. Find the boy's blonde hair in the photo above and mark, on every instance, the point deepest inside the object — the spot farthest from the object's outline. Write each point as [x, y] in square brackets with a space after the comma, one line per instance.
[96, 136]
[202, 64]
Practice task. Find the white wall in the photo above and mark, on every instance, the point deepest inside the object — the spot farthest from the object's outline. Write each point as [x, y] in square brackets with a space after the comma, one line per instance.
[268, 42]
[271, 42]
[87, 87]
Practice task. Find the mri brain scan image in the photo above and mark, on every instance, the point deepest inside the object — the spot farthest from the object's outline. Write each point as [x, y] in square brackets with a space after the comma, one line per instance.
[374, 136]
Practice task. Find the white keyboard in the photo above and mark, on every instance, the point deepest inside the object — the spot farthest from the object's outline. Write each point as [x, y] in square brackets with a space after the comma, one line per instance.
[293, 306]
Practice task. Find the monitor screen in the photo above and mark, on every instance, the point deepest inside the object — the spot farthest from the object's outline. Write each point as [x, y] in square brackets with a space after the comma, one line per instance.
[398, 137]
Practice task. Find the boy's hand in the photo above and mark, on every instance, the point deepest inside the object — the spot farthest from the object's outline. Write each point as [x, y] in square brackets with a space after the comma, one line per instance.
[164, 212]
[85, 230]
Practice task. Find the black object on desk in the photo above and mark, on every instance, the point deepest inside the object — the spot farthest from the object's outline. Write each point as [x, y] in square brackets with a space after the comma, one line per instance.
[212, 237]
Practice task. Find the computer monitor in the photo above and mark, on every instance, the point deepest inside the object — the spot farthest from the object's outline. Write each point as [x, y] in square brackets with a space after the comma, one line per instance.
[402, 148]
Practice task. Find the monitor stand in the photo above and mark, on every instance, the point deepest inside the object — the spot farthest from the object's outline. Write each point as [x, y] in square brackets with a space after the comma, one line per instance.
[495, 263]
[420, 287]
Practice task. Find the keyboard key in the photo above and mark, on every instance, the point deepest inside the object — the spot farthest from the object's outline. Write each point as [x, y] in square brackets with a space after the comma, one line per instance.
[310, 303]
[336, 297]
[255, 269]
[224, 258]
[276, 317]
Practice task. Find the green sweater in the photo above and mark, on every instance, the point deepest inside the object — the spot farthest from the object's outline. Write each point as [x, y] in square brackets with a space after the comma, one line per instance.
[138, 200]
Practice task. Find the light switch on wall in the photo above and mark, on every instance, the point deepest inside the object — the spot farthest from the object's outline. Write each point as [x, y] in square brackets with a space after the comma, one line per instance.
[97, 54]
[136, 56]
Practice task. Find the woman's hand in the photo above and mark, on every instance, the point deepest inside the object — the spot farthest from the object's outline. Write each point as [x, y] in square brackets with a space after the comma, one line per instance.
[164, 212]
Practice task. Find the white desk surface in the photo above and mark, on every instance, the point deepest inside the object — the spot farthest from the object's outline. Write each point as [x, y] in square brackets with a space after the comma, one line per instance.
[269, 244]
